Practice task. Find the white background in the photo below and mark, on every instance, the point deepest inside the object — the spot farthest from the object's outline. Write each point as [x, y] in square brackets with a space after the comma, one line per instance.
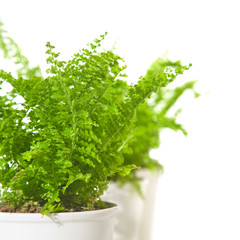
[198, 195]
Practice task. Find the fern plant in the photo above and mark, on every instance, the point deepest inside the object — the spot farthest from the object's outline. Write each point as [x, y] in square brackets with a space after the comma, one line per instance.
[68, 137]
[151, 118]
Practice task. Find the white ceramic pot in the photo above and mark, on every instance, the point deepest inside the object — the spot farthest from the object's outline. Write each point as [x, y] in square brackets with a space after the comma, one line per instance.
[135, 217]
[89, 225]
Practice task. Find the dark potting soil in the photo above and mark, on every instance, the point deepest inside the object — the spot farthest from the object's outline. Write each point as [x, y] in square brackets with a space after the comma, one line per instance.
[30, 209]
[35, 209]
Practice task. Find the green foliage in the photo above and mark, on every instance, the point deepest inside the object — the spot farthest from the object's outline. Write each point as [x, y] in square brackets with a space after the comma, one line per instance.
[151, 118]
[60, 147]
[11, 51]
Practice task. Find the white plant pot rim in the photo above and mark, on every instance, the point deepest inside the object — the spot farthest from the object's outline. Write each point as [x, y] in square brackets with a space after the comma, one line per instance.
[63, 216]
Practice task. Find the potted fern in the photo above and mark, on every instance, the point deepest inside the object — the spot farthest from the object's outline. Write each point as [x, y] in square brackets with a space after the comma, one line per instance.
[63, 143]
[136, 193]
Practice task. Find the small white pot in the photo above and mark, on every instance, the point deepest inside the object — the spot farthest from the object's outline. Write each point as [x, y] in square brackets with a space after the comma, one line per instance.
[89, 225]
[135, 217]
